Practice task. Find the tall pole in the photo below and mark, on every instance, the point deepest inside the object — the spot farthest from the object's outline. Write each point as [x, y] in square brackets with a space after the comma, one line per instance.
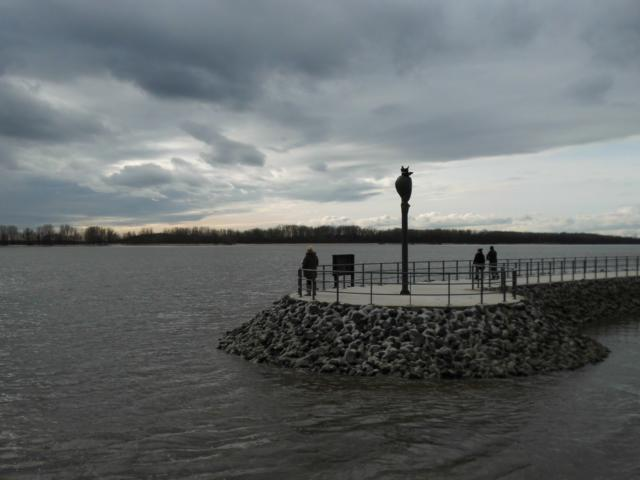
[403, 187]
[405, 249]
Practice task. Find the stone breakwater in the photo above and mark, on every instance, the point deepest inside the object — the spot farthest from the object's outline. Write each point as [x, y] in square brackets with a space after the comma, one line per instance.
[539, 334]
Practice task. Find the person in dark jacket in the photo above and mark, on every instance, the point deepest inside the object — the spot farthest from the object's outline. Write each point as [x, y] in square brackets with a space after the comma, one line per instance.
[309, 269]
[492, 258]
[478, 263]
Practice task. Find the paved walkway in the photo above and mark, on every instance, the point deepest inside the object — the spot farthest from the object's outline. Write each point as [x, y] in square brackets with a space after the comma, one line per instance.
[438, 294]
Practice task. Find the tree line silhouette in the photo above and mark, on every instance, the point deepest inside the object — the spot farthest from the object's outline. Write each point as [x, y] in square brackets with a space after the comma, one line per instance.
[97, 235]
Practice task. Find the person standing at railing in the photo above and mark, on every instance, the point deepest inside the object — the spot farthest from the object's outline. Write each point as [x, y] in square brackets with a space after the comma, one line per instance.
[492, 258]
[309, 269]
[478, 263]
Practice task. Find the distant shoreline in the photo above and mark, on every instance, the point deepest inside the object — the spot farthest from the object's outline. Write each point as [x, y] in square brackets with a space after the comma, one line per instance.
[191, 244]
[47, 235]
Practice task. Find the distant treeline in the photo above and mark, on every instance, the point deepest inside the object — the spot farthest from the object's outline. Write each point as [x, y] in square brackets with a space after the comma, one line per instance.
[95, 235]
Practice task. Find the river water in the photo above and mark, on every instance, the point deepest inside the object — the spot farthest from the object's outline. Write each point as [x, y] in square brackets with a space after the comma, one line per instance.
[108, 369]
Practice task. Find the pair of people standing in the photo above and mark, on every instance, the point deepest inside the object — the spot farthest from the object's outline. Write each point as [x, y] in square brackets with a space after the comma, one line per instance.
[479, 262]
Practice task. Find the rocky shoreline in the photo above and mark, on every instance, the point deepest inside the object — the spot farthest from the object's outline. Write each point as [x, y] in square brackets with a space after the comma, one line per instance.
[538, 334]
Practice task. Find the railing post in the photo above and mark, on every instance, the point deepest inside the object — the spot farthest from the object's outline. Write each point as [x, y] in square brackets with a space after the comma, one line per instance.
[397, 272]
[584, 269]
[414, 271]
[562, 270]
[323, 279]
[481, 288]
[443, 268]
[503, 281]
[616, 266]
[550, 273]
[449, 291]
[363, 282]
[538, 271]
[573, 269]
[527, 264]
[606, 267]
[338, 291]
[626, 266]
[380, 274]
[595, 267]
[299, 282]
[457, 272]
[313, 289]
[514, 283]
[472, 275]
[429, 270]
[371, 288]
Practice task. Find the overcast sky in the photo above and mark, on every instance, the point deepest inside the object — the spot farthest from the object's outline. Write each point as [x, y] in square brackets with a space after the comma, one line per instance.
[514, 115]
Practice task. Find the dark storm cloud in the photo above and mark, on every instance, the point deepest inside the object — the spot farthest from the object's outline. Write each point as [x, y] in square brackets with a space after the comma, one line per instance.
[224, 150]
[24, 116]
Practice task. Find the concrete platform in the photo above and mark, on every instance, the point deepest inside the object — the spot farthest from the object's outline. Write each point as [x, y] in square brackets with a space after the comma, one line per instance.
[435, 293]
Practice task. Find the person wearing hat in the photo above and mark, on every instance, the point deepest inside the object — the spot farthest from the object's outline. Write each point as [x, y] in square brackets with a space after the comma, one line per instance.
[309, 269]
[478, 262]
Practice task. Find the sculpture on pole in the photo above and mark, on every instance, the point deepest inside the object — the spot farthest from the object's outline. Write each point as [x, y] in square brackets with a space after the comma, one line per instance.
[403, 187]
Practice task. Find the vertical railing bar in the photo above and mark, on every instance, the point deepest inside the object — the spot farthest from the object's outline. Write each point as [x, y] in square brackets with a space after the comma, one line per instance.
[371, 287]
[626, 266]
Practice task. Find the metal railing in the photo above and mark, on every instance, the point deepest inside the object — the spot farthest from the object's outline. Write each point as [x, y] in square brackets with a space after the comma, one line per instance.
[441, 275]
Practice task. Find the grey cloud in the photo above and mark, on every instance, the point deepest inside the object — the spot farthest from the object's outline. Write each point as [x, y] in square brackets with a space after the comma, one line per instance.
[28, 200]
[354, 85]
[318, 167]
[141, 176]
[591, 89]
[335, 190]
[198, 53]
[614, 34]
[224, 150]
[24, 116]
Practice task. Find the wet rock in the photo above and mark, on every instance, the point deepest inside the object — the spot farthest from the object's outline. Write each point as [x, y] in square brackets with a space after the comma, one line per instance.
[539, 334]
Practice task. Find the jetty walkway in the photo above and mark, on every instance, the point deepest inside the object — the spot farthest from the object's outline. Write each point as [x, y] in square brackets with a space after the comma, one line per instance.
[454, 283]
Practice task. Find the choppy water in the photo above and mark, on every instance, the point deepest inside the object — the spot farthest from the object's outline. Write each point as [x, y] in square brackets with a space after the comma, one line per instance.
[108, 369]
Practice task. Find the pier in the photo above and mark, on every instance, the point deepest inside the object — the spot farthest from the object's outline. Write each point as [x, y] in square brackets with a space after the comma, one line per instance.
[453, 283]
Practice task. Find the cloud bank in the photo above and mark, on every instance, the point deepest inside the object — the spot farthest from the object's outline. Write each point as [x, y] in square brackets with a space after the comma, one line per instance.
[166, 111]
